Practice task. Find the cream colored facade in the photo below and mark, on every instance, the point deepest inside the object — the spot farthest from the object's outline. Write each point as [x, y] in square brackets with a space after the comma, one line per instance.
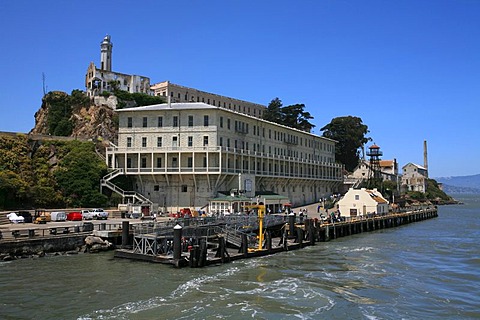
[179, 93]
[414, 178]
[361, 202]
[183, 154]
[388, 170]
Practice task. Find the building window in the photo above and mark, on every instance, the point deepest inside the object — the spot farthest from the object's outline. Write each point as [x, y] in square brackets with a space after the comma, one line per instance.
[204, 162]
[357, 197]
[160, 122]
[129, 142]
[156, 187]
[159, 162]
[144, 142]
[129, 122]
[129, 162]
[184, 188]
[159, 142]
[205, 141]
[190, 121]
[175, 121]
[144, 162]
[175, 141]
[228, 124]
[186, 97]
[145, 122]
[190, 141]
[205, 121]
[221, 122]
[190, 162]
[221, 141]
[175, 162]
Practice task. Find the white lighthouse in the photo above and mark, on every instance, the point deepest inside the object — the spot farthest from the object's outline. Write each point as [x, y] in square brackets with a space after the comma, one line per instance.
[106, 54]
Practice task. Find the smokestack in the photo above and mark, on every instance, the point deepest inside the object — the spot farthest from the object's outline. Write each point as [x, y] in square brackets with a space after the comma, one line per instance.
[425, 157]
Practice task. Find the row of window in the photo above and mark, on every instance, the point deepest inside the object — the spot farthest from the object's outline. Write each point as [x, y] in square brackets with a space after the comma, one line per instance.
[243, 127]
[175, 143]
[175, 121]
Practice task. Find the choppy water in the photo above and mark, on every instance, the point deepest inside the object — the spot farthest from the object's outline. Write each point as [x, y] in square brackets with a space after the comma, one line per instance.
[425, 270]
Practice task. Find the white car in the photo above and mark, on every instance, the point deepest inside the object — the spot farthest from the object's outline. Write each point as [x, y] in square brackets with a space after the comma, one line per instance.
[97, 213]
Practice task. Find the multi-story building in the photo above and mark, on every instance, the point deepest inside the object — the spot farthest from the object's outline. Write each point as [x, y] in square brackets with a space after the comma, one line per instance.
[363, 171]
[183, 154]
[414, 178]
[179, 93]
[98, 80]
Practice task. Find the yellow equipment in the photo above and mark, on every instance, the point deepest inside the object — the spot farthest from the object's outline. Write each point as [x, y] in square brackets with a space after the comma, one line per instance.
[261, 213]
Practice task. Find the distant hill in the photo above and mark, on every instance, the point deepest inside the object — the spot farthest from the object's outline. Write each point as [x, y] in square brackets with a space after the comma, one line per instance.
[460, 184]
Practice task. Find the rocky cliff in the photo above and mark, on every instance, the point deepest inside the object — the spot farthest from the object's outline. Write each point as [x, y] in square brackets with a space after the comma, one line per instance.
[89, 119]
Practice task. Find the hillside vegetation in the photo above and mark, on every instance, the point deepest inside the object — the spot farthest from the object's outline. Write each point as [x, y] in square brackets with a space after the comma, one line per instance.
[49, 174]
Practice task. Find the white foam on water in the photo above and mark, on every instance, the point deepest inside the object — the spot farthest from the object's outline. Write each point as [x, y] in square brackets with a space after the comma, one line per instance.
[122, 311]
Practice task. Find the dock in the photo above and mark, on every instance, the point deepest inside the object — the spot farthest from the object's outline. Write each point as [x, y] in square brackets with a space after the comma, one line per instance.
[207, 241]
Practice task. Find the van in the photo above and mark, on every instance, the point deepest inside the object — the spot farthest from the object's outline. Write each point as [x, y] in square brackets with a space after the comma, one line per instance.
[58, 216]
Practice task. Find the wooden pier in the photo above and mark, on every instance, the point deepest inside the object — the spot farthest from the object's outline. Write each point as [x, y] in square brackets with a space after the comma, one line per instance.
[198, 243]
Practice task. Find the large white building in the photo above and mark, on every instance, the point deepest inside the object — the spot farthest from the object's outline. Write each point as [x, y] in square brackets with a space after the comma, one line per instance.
[183, 154]
[103, 79]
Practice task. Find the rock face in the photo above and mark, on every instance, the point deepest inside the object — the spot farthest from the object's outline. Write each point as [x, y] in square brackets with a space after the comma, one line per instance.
[96, 244]
[93, 121]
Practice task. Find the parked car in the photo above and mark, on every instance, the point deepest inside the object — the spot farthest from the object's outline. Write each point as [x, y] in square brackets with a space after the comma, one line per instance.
[87, 215]
[74, 216]
[100, 214]
[27, 216]
[58, 216]
[96, 213]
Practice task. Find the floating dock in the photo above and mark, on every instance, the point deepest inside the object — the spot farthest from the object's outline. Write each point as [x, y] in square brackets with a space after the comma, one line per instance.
[199, 242]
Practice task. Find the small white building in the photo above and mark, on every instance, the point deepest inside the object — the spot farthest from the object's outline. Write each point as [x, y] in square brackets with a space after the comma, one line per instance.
[358, 202]
[414, 178]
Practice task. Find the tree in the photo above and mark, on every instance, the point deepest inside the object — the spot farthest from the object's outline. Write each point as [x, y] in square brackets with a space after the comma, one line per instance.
[292, 116]
[350, 133]
[79, 174]
[274, 111]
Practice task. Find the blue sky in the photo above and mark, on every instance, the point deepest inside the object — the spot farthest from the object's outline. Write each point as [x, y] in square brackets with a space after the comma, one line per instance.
[409, 69]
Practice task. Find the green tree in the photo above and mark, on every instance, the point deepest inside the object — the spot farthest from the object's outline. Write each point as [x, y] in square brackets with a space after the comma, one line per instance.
[274, 111]
[292, 116]
[350, 133]
[79, 174]
[59, 113]
[141, 99]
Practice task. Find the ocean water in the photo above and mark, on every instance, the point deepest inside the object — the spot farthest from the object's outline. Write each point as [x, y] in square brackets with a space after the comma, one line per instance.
[425, 270]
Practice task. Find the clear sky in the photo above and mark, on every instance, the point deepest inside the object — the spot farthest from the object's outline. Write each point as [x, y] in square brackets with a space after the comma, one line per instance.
[409, 69]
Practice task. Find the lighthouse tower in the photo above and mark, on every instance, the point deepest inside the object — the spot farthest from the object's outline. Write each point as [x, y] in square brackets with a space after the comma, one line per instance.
[106, 54]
